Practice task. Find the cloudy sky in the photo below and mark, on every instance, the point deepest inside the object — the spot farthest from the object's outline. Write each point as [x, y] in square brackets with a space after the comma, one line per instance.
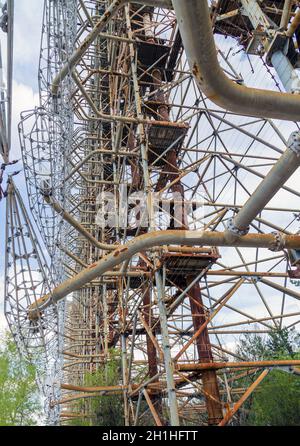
[27, 37]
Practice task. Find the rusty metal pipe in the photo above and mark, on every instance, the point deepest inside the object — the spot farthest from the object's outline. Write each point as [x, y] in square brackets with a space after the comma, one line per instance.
[241, 401]
[236, 365]
[159, 238]
[76, 225]
[282, 170]
[196, 30]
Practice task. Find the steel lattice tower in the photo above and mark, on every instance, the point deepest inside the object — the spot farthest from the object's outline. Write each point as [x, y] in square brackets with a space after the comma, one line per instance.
[137, 180]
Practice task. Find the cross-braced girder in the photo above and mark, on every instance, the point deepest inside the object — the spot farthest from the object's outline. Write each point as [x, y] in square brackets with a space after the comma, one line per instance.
[136, 181]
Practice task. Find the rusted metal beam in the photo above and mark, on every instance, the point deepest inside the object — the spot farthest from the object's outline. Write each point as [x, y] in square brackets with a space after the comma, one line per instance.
[76, 225]
[158, 238]
[152, 408]
[236, 365]
[241, 401]
[209, 377]
[88, 389]
[222, 301]
[294, 24]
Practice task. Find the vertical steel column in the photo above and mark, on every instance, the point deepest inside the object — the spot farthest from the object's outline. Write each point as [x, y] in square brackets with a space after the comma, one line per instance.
[209, 377]
[170, 166]
[174, 417]
[151, 350]
[125, 378]
[105, 321]
[140, 127]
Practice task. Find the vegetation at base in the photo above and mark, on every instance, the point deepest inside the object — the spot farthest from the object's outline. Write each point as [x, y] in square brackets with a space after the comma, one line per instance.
[19, 398]
[276, 402]
[106, 410]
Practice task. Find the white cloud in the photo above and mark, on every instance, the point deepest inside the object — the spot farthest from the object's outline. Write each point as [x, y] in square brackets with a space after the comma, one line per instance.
[27, 41]
[24, 98]
[27, 33]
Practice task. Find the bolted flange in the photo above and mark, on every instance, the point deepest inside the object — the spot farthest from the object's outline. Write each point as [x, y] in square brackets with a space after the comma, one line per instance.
[231, 227]
[294, 142]
[279, 242]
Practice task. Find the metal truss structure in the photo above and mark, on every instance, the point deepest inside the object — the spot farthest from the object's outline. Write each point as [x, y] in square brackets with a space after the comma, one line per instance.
[27, 277]
[167, 220]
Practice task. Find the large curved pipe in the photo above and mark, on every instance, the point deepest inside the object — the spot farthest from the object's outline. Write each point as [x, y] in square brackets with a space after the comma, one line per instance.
[282, 170]
[76, 225]
[159, 238]
[196, 31]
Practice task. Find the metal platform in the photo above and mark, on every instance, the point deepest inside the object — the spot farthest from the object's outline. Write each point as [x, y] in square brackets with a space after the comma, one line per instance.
[165, 136]
[155, 55]
[186, 264]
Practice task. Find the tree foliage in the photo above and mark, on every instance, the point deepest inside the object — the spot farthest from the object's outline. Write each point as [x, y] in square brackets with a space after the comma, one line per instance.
[106, 410]
[277, 345]
[19, 399]
[277, 399]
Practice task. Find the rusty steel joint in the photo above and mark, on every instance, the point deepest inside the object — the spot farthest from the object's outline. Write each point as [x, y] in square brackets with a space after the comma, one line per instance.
[279, 242]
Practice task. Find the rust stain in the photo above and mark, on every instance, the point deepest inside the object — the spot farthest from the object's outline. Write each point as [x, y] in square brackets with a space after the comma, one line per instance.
[119, 251]
[197, 73]
[195, 70]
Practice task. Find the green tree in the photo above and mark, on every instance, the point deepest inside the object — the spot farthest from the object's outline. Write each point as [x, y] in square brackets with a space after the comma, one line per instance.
[106, 410]
[277, 400]
[19, 398]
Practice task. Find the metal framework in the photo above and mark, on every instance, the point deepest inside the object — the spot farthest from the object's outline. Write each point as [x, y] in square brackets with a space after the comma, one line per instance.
[142, 246]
